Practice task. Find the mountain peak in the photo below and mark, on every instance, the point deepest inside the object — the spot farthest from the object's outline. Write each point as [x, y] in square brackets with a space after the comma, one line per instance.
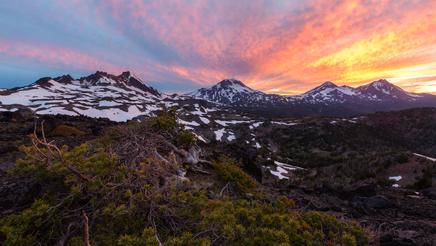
[230, 83]
[64, 79]
[96, 77]
[125, 75]
[383, 90]
[233, 86]
[226, 91]
[381, 83]
[328, 84]
[44, 81]
[100, 78]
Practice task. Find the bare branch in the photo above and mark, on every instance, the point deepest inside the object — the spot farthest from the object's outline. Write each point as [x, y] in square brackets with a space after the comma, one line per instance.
[223, 189]
[85, 229]
[64, 239]
[53, 150]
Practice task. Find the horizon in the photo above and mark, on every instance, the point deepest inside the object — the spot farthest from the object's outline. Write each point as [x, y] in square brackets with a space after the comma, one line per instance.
[217, 82]
[277, 47]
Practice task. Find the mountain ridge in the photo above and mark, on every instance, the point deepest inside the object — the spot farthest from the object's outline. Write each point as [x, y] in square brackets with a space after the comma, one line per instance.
[325, 99]
[125, 96]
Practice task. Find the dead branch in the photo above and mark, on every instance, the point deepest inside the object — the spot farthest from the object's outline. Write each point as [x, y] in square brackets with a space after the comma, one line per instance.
[151, 219]
[200, 171]
[85, 229]
[53, 150]
[64, 239]
[223, 189]
[156, 233]
[191, 157]
[160, 157]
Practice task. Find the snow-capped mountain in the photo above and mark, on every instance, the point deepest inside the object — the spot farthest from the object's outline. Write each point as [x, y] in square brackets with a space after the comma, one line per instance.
[118, 98]
[326, 99]
[227, 92]
[382, 90]
[101, 95]
[235, 93]
[328, 92]
[124, 97]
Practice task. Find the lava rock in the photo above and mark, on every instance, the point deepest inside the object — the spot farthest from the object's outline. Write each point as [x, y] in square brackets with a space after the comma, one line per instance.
[378, 202]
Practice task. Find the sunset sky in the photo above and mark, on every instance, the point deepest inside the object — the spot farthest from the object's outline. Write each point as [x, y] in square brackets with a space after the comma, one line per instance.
[282, 46]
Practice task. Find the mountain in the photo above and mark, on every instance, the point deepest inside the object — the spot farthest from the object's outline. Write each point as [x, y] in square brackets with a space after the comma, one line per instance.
[125, 97]
[382, 90]
[236, 94]
[326, 99]
[101, 94]
[227, 92]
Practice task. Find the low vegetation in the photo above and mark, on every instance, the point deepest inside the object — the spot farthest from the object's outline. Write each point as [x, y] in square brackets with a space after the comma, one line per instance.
[66, 131]
[128, 188]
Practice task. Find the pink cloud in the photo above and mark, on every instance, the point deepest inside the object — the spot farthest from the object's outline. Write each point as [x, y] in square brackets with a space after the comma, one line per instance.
[55, 56]
[284, 46]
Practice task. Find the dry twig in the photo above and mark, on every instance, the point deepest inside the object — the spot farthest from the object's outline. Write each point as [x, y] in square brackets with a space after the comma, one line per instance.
[85, 229]
[53, 150]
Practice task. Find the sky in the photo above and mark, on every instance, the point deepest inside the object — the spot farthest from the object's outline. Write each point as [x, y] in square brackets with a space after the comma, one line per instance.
[277, 46]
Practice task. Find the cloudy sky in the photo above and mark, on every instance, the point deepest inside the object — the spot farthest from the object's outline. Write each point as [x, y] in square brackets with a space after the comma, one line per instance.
[281, 46]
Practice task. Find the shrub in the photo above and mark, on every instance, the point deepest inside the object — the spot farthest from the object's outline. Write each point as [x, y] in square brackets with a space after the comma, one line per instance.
[229, 171]
[253, 223]
[31, 225]
[185, 139]
[166, 120]
[66, 131]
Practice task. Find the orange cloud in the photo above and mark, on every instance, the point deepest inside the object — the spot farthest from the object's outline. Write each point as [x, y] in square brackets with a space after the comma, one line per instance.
[284, 47]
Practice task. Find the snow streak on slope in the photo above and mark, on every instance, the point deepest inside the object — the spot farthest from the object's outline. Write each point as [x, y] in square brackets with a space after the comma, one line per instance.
[101, 95]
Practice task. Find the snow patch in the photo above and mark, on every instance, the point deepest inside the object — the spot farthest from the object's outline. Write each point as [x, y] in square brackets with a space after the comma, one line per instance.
[396, 178]
[219, 134]
[426, 157]
[288, 166]
[284, 123]
[255, 125]
[187, 123]
[205, 120]
[279, 173]
[226, 123]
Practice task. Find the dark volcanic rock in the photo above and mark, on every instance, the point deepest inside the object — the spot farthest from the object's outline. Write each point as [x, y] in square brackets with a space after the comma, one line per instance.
[378, 202]
[409, 233]
[364, 188]
[367, 205]
[430, 192]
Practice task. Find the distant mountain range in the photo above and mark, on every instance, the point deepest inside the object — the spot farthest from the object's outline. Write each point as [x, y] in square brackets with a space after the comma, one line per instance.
[326, 99]
[125, 97]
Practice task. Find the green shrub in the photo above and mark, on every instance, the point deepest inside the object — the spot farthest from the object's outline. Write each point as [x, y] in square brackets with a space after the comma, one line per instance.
[229, 171]
[147, 238]
[186, 139]
[32, 225]
[166, 120]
